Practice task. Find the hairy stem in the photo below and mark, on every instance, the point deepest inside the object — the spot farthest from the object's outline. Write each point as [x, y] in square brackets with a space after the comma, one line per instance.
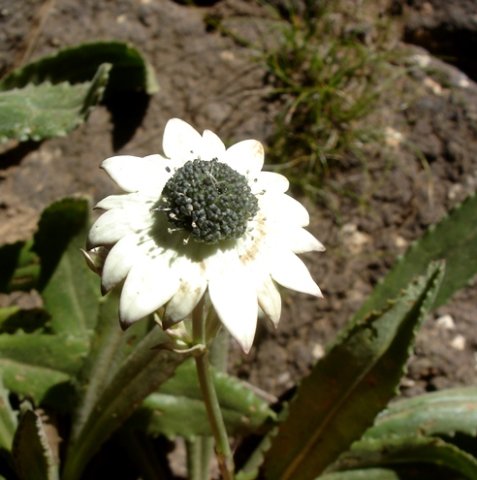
[212, 406]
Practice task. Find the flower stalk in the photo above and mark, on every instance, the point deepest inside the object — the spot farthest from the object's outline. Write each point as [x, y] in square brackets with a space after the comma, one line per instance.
[209, 394]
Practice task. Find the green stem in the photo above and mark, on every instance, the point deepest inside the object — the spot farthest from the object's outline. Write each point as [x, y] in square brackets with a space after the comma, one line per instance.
[206, 452]
[222, 447]
[212, 406]
[199, 451]
[194, 460]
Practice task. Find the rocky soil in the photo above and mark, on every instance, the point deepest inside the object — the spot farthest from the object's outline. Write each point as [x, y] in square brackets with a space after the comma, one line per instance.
[371, 210]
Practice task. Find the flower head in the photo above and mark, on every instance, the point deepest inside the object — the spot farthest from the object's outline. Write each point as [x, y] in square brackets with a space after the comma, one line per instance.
[202, 220]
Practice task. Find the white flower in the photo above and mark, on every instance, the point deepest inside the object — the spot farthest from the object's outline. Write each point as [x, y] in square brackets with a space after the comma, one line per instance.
[202, 219]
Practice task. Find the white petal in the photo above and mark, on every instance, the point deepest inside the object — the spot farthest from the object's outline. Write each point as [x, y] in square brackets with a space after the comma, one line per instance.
[234, 297]
[119, 261]
[270, 182]
[192, 286]
[114, 224]
[245, 157]
[148, 286]
[283, 209]
[288, 270]
[124, 201]
[269, 300]
[132, 174]
[300, 240]
[181, 141]
[109, 228]
[137, 216]
[211, 146]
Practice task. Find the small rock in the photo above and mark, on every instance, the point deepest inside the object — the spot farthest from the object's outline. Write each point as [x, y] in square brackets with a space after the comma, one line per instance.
[283, 378]
[433, 86]
[227, 55]
[445, 322]
[393, 137]
[354, 239]
[349, 228]
[407, 382]
[463, 81]
[458, 342]
[400, 242]
[318, 351]
[455, 191]
[421, 60]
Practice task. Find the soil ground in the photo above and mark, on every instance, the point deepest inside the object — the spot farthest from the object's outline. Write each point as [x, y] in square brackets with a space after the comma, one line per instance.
[370, 212]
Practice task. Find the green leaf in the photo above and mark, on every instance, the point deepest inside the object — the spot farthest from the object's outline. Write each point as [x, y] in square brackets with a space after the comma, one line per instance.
[19, 267]
[349, 386]
[34, 454]
[142, 372]
[6, 313]
[8, 421]
[36, 112]
[454, 239]
[365, 474]
[439, 413]
[397, 472]
[69, 289]
[409, 450]
[34, 364]
[41, 365]
[14, 318]
[251, 468]
[109, 347]
[78, 64]
[180, 397]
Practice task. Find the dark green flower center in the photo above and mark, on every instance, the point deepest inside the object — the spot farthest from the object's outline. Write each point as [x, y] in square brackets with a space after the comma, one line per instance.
[210, 200]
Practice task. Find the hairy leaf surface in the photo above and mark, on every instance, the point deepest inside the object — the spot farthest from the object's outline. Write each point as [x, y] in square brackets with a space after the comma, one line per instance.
[180, 398]
[70, 290]
[141, 373]
[37, 112]
[439, 413]
[348, 387]
[454, 240]
[33, 449]
[415, 450]
[78, 64]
